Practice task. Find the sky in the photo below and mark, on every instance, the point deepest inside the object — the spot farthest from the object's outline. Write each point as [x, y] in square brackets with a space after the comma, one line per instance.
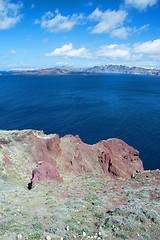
[85, 33]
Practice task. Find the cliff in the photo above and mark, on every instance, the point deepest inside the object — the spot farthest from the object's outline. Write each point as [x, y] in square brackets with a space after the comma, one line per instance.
[49, 157]
[79, 191]
[124, 70]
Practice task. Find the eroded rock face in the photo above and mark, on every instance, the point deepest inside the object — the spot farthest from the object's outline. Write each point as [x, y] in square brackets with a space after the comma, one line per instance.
[68, 155]
[118, 159]
[45, 148]
[113, 158]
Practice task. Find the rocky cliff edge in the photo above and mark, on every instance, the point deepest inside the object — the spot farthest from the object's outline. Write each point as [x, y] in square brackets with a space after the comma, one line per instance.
[32, 154]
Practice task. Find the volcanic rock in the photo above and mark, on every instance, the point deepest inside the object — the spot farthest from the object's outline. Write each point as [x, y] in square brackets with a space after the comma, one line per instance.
[67, 156]
[112, 158]
[118, 159]
[44, 172]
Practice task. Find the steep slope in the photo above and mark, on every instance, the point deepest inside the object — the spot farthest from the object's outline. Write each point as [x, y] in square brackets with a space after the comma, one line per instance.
[51, 158]
[80, 191]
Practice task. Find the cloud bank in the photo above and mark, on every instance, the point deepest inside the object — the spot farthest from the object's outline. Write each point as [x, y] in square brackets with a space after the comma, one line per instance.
[149, 48]
[123, 52]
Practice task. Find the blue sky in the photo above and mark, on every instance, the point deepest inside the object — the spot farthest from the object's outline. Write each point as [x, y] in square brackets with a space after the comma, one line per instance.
[49, 33]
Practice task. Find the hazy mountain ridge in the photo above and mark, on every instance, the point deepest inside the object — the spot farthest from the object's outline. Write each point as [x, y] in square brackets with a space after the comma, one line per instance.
[124, 70]
[65, 70]
[54, 71]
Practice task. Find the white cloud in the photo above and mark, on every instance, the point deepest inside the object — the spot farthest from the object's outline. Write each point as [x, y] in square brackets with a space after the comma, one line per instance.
[67, 50]
[121, 32]
[95, 15]
[13, 52]
[141, 4]
[108, 20]
[149, 48]
[9, 14]
[56, 22]
[114, 51]
[139, 53]
[140, 29]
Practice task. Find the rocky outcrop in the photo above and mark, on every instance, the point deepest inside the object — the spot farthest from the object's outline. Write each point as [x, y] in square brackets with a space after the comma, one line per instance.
[118, 159]
[112, 158]
[44, 172]
[49, 157]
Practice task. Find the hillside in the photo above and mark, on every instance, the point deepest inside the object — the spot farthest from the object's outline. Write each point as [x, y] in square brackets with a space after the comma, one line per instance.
[54, 71]
[78, 191]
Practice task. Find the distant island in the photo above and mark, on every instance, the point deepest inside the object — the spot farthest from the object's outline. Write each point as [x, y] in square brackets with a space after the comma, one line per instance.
[102, 69]
[55, 71]
[124, 70]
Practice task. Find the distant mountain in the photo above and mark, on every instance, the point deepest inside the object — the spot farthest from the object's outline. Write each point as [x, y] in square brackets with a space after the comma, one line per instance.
[65, 70]
[124, 70]
[55, 71]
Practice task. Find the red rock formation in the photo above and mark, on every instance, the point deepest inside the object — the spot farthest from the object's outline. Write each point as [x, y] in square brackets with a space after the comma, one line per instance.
[45, 148]
[44, 172]
[7, 160]
[118, 159]
[111, 158]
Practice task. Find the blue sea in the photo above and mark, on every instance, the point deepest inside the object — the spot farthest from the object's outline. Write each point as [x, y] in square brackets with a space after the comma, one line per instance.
[93, 107]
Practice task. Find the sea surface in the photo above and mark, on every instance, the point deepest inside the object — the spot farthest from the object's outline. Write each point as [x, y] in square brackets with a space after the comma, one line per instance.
[93, 107]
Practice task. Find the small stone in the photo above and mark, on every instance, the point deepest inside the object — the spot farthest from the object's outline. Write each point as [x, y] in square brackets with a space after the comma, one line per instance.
[67, 228]
[48, 238]
[19, 237]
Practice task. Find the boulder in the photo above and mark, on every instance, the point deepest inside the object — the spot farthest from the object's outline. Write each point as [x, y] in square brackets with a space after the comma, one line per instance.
[118, 159]
[44, 171]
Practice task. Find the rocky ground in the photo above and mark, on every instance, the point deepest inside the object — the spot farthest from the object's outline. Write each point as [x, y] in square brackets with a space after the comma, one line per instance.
[82, 208]
[81, 205]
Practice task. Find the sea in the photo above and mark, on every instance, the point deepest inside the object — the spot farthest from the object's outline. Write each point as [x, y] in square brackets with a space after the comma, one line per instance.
[95, 107]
